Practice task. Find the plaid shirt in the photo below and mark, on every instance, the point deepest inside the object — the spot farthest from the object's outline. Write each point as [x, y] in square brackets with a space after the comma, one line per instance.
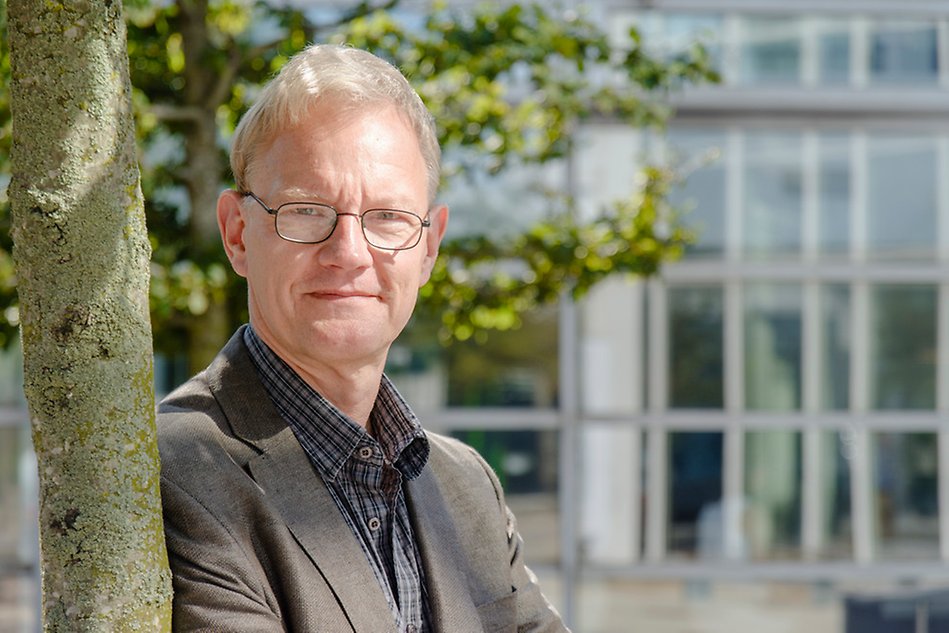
[364, 474]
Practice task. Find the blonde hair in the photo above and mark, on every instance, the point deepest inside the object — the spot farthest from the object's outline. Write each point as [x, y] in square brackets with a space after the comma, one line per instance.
[350, 79]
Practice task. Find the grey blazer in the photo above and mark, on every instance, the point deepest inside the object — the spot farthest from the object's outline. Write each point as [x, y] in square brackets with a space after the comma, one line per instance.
[256, 542]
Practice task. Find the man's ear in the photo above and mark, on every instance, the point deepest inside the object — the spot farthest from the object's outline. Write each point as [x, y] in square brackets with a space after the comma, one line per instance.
[230, 221]
[433, 237]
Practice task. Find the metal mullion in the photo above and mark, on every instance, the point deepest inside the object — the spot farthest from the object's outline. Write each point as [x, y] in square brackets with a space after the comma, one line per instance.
[731, 49]
[943, 470]
[810, 166]
[636, 491]
[809, 30]
[658, 346]
[638, 291]
[942, 47]
[942, 197]
[734, 369]
[861, 469]
[942, 408]
[861, 479]
[569, 444]
[734, 194]
[812, 472]
[812, 535]
[858, 196]
[733, 460]
[860, 51]
[657, 488]
[942, 334]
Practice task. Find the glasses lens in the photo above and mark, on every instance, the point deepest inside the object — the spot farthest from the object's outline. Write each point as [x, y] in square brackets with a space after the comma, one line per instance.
[311, 223]
[391, 229]
[308, 223]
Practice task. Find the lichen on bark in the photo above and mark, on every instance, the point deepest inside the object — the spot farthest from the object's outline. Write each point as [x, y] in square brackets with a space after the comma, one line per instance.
[82, 254]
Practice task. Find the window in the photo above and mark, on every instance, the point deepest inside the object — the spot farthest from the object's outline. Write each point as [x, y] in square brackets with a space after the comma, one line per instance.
[696, 526]
[907, 512]
[696, 347]
[833, 52]
[772, 195]
[515, 368]
[834, 195]
[903, 51]
[771, 50]
[671, 34]
[773, 346]
[835, 346]
[836, 520]
[901, 197]
[903, 346]
[701, 196]
[772, 514]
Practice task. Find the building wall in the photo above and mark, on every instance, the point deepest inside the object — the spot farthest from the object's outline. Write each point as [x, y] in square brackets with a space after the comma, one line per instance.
[787, 398]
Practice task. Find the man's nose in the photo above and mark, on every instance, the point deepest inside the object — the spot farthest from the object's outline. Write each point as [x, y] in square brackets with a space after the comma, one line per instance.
[347, 246]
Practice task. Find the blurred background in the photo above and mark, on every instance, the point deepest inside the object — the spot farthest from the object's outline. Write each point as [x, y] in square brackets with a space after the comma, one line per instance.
[755, 438]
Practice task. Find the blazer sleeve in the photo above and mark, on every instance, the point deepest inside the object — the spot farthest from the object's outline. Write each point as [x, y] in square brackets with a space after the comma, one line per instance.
[213, 576]
[534, 611]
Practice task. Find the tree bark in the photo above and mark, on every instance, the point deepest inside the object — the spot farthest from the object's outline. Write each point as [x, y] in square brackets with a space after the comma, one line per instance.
[82, 254]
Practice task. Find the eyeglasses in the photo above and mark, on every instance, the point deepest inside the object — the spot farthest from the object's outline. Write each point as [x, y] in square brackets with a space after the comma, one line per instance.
[314, 222]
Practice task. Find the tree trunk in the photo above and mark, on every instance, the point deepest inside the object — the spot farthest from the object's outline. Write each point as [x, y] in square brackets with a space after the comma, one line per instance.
[81, 253]
[207, 332]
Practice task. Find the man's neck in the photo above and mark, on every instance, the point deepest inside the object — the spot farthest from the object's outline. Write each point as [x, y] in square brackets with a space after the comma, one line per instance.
[351, 385]
[352, 390]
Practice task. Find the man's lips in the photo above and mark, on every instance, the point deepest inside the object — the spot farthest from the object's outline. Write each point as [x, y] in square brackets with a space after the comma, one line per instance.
[343, 294]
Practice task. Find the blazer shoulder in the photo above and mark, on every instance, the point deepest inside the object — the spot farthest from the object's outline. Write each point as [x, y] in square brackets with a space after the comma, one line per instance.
[447, 451]
[195, 438]
[462, 466]
[187, 413]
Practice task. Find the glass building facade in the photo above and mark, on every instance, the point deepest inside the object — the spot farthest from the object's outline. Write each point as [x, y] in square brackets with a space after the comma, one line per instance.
[791, 372]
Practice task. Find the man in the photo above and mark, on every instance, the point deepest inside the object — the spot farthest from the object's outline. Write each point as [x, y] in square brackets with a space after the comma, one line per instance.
[299, 491]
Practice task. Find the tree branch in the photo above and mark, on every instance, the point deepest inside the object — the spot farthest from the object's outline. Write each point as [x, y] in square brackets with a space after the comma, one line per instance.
[167, 112]
[362, 9]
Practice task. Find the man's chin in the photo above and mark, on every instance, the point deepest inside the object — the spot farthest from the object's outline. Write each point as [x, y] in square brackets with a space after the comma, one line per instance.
[346, 340]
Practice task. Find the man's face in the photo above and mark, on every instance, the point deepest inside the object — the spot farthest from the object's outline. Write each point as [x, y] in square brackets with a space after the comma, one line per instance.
[342, 302]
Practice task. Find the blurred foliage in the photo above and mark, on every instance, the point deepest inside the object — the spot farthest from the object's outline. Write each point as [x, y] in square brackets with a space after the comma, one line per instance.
[506, 84]
[481, 284]
[9, 311]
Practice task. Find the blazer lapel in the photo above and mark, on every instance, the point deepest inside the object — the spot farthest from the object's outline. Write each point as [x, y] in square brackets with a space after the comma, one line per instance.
[452, 608]
[284, 472]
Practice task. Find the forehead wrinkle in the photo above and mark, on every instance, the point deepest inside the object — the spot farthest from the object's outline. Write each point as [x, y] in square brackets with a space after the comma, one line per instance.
[327, 178]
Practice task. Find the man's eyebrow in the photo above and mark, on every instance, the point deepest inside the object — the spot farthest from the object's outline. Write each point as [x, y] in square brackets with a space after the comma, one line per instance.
[296, 194]
[299, 194]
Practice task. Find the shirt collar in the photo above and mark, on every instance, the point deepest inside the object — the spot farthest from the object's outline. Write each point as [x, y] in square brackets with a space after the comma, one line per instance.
[329, 436]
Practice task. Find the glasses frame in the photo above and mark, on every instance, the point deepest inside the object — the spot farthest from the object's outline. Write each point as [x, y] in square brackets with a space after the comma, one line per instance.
[424, 222]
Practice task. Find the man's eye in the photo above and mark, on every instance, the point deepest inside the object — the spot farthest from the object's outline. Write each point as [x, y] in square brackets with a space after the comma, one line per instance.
[313, 210]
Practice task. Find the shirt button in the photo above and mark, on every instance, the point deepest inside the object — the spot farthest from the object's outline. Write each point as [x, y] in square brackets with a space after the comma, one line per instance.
[374, 524]
[411, 629]
[365, 452]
